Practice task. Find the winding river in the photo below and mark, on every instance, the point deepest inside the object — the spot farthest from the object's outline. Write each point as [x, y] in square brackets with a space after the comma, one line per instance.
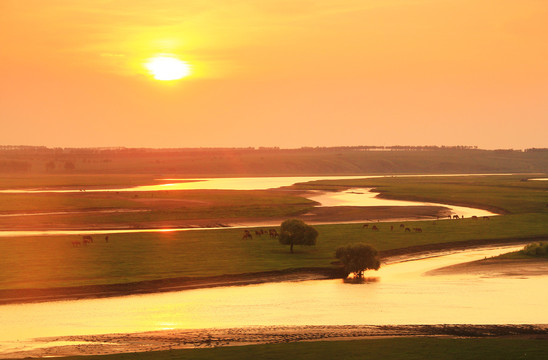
[351, 197]
[398, 293]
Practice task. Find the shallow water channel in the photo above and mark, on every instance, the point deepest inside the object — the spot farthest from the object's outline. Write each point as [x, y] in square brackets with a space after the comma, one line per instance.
[351, 197]
[398, 293]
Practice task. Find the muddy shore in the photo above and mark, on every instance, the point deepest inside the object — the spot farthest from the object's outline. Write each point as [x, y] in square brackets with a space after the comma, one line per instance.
[12, 296]
[203, 338]
[497, 267]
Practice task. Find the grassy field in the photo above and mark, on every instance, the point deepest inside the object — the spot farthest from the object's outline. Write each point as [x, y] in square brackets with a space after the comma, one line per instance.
[51, 261]
[390, 348]
[145, 207]
[506, 194]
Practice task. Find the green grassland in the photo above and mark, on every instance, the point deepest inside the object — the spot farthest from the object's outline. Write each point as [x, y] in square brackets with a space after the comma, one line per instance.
[532, 251]
[51, 261]
[391, 348]
[506, 194]
[155, 206]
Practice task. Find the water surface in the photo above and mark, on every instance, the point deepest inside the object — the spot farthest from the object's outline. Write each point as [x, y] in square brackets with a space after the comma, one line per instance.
[366, 197]
[397, 294]
[227, 183]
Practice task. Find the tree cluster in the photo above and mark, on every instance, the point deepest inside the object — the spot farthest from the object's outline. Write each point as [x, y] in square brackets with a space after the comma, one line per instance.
[356, 258]
[296, 232]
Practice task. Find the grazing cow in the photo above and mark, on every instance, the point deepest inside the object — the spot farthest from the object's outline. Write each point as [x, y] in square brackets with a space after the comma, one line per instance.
[391, 227]
[273, 233]
[365, 226]
[247, 235]
[402, 225]
[76, 243]
[417, 229]
[258, 233]
[87, 238]
[486, 218]
[474, 217]
[407, 229]
[456, 217]
[375, 228]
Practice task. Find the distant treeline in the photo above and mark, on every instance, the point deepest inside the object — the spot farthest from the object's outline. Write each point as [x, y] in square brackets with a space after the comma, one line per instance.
[59, 150]
[8, 166]
[45, 149]
[271, 161]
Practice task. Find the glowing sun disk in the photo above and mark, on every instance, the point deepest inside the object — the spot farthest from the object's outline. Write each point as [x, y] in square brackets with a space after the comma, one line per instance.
[167, 68]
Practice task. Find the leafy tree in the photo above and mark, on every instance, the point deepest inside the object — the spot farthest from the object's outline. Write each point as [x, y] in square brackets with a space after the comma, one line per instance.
[296, 232]
[356, 258]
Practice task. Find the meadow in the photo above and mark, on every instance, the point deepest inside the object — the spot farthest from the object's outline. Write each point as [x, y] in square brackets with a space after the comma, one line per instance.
[51, 261]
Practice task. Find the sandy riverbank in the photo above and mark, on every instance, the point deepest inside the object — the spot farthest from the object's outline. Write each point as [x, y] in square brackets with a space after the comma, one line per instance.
[497, 267]
[200, 338]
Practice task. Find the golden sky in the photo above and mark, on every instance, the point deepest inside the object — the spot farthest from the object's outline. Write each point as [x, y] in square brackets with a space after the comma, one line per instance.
[275, 73]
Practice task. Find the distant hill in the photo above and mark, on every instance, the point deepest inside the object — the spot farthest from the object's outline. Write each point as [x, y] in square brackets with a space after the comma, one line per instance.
[270, 161]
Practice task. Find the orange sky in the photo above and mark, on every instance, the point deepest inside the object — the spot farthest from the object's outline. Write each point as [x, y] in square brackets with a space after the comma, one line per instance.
[275, 73]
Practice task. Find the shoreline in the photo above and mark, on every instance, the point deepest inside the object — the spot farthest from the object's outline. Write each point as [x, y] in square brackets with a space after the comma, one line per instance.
[315, 216]
[89, 345]
[36, 295]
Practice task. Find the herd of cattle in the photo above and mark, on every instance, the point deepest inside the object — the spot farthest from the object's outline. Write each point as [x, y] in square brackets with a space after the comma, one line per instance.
[270, 232]
[402, 226]
[87, 239]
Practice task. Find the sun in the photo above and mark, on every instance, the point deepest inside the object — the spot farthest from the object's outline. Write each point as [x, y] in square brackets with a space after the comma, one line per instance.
[167, 68]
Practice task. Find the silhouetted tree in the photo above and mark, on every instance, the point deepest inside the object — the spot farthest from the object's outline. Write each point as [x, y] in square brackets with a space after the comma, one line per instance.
[296, 232]
[356, 258]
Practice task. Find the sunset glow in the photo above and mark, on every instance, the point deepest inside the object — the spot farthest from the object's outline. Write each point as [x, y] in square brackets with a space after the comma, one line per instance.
[423, 72]
[167, 68]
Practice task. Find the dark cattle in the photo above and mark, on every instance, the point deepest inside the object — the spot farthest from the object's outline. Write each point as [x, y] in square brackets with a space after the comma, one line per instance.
[417, 229]
[375, 228]
[273, 233]
[87, 238]
[106, 238]
[391, 227]
[407, 230]
[365, 225]
[76, 243]
[486, 218]
[474, 217]
[402, 225]
[456, 217]
[247, 235]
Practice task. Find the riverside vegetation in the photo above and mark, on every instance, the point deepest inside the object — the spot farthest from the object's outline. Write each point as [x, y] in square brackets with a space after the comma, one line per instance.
[50, 261]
